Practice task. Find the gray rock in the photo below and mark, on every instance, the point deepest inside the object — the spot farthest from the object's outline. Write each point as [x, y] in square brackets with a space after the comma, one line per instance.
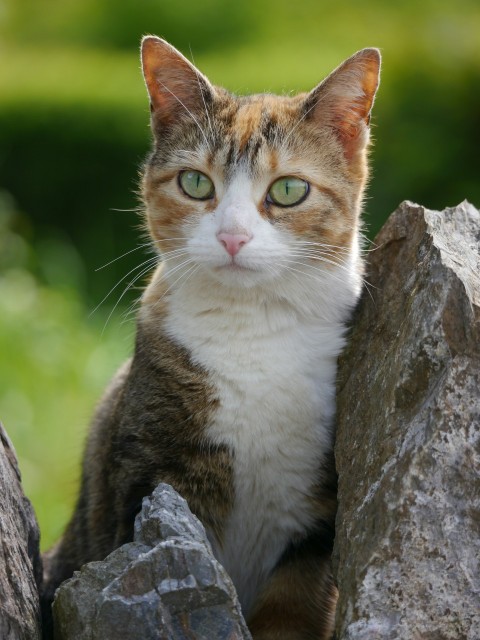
[165, 585]
[20, 564]
[408, 446]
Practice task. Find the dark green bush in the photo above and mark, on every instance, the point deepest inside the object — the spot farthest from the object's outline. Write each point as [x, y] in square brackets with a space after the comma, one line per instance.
[70, 169]
[427, 136]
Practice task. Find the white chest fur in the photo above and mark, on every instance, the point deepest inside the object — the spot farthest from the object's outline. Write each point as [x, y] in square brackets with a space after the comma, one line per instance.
[274, 376]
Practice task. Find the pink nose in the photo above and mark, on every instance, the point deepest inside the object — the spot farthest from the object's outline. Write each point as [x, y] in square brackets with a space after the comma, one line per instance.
[233, 242]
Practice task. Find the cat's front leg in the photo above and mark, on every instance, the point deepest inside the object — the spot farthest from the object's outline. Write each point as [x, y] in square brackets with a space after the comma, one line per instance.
[298, 602]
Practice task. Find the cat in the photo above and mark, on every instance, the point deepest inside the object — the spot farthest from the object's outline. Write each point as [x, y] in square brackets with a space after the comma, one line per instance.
[253, 205]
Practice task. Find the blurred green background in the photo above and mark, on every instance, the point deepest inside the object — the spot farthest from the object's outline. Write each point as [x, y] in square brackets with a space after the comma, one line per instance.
[74, 130]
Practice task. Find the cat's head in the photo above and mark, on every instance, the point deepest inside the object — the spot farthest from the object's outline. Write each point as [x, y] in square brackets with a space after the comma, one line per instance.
[247, 189]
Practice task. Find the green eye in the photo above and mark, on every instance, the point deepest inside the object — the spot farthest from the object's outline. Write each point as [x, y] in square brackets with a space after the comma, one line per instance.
[288, 191]
[196, 185]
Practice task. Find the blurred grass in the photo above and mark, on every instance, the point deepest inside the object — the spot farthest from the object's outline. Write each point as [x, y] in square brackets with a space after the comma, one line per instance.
[56, 358]
[74, 130]
[55, 364]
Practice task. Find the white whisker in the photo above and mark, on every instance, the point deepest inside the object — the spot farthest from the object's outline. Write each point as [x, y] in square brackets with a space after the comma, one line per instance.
[197, 267]
[330, 253]
[132, 309]
[178, 279]
[140, 246]
[170, 272]
[313, 271]
[175, 253]
[286, 261]
[318, 244]
[129, 285]
[321, 258]
[150, 262]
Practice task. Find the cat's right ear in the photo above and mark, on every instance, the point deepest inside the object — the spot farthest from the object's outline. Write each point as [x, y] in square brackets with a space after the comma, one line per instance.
[176, 88]
[344, 100]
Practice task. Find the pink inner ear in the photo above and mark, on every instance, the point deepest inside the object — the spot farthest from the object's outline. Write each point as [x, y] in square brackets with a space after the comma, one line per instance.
[346, 97]
[348, 118]
[354, 114]
[173, 83]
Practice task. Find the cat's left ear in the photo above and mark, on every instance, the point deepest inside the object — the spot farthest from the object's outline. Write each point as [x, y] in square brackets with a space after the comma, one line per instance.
[344, 100]
[176, 88]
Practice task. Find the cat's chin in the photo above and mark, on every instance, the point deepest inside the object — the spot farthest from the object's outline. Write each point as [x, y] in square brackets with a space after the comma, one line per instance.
[239, 276]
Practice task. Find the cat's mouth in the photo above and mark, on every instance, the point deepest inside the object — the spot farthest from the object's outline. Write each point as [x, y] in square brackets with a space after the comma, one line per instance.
[240, 273]
[234, 267]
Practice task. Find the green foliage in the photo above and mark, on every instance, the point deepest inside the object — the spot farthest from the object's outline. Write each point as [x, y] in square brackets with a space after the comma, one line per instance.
[57, 365]
[55, 362]
[74, 130]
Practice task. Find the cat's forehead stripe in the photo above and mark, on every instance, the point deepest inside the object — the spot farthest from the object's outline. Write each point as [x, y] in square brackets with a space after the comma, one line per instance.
[248, 128]
[256, 119]
[247, 123]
